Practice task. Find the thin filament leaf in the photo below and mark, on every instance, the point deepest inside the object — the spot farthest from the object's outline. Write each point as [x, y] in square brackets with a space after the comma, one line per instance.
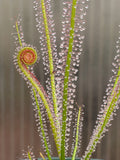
[66, 78]
[29, 156]
[50, 57]
[99, 133]
[42, 156]
[117, 79]
[77, 133]
[51, 68]
[18, 34]
[35, 85]
[105, 119]
[41, 125]
[27, 73]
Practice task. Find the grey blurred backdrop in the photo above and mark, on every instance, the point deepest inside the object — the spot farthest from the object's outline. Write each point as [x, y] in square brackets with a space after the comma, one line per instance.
[17, 123]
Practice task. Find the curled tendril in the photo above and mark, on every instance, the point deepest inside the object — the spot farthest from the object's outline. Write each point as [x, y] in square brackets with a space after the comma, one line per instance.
[27, 55]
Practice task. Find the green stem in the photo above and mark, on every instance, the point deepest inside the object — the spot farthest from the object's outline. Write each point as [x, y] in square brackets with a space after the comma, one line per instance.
[77, 133]
[105, 118]
[66, 78]
[41, 125]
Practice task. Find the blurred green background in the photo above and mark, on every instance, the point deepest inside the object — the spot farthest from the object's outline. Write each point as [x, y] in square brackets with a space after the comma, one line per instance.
[17, 123]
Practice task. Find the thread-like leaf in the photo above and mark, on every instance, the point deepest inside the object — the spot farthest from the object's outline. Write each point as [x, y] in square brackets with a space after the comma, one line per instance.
[29, 156]
[110, 106]
[81, 10]
[66, 79]
[50, 62]
[41, 93]
[42, 128]
[51, 71]
[77, 133]
[34, 83]
[106, 118]
[18, 34]
[42, 156]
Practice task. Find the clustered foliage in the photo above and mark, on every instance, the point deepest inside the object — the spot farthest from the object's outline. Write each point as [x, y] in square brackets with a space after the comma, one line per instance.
[57, 102]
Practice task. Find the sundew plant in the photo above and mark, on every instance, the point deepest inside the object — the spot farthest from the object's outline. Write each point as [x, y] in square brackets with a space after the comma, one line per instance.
[57, 100]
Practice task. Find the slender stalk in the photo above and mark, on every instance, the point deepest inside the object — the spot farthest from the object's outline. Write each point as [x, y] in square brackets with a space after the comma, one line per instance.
[116, 81]
[29, 156]
[18, 34]
[66, 78]
[42, 156]
[41, 125]
[77, 133]
[105, 119]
